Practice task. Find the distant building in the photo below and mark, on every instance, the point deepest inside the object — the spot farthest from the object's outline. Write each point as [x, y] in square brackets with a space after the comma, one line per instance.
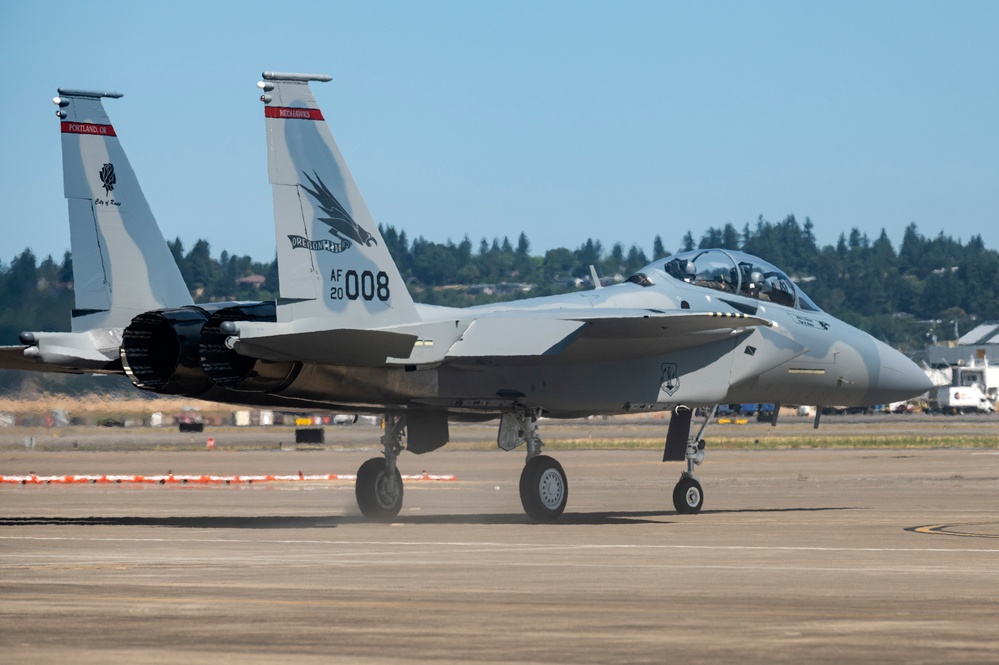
[256, 281]
[980, 344]
[986, 333]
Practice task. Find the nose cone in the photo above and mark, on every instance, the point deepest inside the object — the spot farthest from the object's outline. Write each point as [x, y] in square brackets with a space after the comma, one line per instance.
[898, 379]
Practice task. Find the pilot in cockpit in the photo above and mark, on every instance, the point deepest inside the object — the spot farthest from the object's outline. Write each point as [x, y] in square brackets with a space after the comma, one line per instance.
[689, 272]
[754, 285]
[682, 269]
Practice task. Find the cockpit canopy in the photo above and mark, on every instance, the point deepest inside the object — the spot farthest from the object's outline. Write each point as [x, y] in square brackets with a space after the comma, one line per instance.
[736, 273]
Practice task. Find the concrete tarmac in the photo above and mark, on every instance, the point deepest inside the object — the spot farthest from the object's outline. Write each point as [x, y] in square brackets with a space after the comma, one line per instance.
[818, 556]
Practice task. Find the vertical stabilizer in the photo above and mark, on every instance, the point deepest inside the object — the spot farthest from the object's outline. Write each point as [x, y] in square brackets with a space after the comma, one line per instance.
[122, 266]
[332, 260]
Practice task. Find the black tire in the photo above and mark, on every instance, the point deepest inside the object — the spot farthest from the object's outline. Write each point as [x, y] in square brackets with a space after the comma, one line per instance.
[379, 495]
[688, 497]
[544, 489]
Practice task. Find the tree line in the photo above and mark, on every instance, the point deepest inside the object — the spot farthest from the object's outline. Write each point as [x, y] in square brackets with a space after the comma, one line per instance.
[925, 289]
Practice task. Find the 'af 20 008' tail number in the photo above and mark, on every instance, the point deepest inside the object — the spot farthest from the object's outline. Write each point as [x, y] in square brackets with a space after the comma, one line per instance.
[352, 285]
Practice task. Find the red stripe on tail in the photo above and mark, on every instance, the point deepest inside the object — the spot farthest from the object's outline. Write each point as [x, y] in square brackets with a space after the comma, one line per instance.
[87, 128]
[288, 113]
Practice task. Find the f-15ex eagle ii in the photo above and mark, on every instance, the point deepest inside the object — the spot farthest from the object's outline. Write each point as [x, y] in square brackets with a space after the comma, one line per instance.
[695, 329]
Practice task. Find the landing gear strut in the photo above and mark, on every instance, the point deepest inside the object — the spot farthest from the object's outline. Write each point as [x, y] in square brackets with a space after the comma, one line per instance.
[544, 488]
[688, 497]
[379, 484]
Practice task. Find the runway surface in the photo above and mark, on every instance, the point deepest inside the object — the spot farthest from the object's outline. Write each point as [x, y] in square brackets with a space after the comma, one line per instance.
[815, 556]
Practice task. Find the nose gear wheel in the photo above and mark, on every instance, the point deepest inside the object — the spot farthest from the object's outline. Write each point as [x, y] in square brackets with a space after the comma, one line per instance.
[688, 497]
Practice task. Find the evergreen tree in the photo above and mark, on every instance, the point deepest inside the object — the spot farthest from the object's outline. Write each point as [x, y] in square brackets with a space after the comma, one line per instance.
[658, 250]
[523, 246]
[688, 242]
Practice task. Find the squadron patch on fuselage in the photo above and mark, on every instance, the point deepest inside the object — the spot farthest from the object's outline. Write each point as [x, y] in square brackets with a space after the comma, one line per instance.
[670, 380]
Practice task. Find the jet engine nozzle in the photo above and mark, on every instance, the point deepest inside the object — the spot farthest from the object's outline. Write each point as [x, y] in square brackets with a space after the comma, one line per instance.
[159, 351]
[228, 369]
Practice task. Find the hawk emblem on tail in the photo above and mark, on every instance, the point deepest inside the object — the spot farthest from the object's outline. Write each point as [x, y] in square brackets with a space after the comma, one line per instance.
[339, 220]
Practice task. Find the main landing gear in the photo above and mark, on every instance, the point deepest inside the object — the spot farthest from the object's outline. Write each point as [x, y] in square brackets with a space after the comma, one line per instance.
[688, 497]
[544, 488]
[379, 484]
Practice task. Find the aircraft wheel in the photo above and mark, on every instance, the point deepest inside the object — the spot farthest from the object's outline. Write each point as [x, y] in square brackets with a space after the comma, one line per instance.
[379, 494]
[688, 497]
[543, 488]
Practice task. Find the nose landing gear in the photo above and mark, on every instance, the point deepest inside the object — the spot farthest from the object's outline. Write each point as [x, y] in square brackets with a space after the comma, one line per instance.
[688, 497]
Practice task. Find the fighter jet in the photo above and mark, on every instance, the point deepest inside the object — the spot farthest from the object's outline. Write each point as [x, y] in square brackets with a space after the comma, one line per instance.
[693, 330]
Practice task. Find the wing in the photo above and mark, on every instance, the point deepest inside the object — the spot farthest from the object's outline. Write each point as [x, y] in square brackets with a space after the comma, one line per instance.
[527, 335]
[570, 336]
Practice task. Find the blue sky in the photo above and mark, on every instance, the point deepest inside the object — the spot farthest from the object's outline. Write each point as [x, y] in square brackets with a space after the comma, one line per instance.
[566, 120]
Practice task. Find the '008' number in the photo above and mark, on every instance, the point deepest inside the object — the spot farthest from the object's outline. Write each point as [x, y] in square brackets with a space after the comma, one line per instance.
[366, 286]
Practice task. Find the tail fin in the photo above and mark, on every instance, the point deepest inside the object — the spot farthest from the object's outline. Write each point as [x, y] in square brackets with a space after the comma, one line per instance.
[332, 260]
[122, 267]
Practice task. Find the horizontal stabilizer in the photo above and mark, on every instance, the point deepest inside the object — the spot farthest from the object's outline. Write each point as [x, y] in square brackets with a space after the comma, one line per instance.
[14, 357]
[338, 346]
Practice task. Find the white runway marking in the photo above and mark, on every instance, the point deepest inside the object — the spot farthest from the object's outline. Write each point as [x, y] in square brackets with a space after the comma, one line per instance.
[505, 547]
